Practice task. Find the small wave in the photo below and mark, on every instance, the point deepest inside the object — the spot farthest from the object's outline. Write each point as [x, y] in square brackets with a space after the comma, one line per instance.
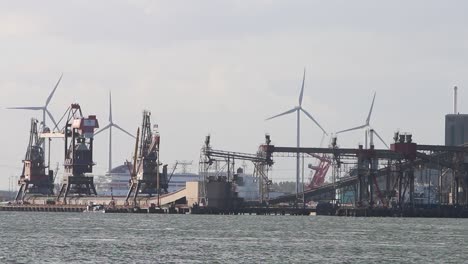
[99, 239]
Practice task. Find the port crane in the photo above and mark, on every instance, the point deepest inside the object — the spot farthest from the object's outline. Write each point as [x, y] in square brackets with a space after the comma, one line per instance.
[34, 179]
[79, 138]
[146, 177]
[321, 170]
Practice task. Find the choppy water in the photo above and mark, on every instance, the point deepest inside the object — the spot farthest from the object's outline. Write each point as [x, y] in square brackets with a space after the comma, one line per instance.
[129, 238]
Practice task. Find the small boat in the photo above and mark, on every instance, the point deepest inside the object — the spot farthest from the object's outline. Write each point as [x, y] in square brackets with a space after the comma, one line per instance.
[94, 209]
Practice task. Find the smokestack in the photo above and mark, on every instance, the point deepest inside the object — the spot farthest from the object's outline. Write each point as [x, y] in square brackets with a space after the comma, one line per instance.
[455, 99]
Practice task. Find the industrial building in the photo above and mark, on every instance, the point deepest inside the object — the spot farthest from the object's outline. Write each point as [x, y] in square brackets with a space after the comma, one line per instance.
[456, 129]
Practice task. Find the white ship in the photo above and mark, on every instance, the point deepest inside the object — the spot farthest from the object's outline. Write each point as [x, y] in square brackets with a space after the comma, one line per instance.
[116, 182]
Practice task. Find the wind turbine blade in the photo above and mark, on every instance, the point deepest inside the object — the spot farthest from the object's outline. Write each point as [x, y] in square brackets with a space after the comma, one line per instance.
[377, 134]
[315, 121]
[52, 119]
[27, 108]
[351, 129]
[285, 113]
[102, 129]
[53, 91]
[110, 107]
[370, 111]
[123, 130]
[302, 89]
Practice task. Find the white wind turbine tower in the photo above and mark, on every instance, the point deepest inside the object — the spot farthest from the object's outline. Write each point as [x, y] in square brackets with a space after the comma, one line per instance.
[298, 109]
[367, 126]
[109, 126]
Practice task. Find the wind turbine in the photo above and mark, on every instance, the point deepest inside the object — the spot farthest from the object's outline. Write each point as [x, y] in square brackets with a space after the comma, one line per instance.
[298, 109]
[366, 125]
[109, 126]
[43, 108]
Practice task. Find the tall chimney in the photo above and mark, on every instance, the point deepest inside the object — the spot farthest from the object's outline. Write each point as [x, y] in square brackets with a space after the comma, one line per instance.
[455, 110]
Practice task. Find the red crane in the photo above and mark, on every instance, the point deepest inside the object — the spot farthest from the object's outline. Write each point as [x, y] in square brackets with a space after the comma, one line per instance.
[320, 171]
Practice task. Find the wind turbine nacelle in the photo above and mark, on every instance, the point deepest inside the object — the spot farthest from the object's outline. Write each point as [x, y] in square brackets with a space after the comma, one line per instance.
[86, 126]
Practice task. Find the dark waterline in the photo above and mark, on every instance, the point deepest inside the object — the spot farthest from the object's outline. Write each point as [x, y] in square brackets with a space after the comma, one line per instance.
[128, 238]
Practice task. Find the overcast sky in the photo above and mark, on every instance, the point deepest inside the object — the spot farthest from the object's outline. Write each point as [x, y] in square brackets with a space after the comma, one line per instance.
[222, 67]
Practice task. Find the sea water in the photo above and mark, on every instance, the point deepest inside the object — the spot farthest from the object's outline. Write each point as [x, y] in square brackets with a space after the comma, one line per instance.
[33, 237]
